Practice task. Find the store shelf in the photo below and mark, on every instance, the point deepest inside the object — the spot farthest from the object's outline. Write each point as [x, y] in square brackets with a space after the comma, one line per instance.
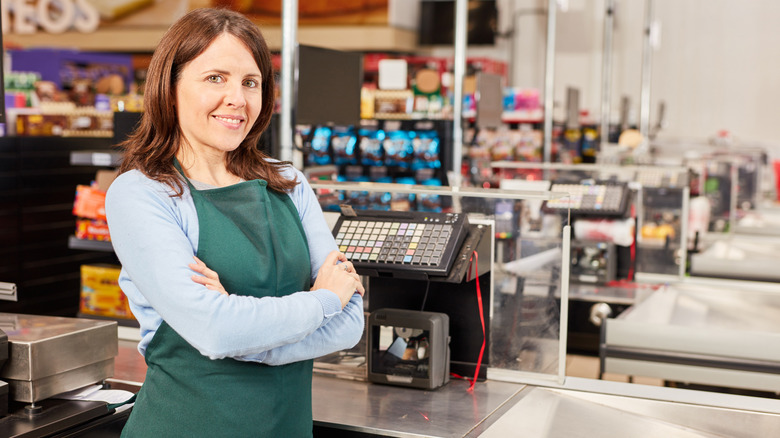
[145, 39]
[95, 158]
[512, 117]
[89, 245]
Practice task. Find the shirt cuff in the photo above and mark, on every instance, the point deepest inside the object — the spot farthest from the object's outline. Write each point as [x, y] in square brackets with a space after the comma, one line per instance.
[331, 304]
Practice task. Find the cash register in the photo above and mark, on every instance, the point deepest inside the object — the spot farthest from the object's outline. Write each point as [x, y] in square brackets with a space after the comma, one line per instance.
[424, 320]
[44, 356]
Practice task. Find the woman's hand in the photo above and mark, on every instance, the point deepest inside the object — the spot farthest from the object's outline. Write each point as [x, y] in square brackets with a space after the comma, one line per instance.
[340, 278]
[208, 278]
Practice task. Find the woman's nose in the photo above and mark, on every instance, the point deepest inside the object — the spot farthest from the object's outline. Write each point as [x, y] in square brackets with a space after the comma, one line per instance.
[234, 95]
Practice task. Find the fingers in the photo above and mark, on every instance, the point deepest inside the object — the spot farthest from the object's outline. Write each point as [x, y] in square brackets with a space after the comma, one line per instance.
[333, 257]
[208, 277]
[346, 265]
[348, 268]
[360, 288]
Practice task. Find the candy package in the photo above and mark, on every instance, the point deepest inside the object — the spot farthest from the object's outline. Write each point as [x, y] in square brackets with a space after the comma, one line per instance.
[371, 151]
[398, 149]
[320, 146]
[426, 150]
[344, 145]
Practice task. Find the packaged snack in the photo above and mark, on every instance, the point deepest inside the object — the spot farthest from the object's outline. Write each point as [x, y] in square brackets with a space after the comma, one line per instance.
[90, 203]
[344, 145]
[320, 146]
[100, 292]
[426, 150]
[398, 149]
[371, 152]
[90, 229]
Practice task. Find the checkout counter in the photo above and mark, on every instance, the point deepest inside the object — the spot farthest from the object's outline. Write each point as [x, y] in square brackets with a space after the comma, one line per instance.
[526, 391]
[749, 251]
[521, 386]
[720, 334]
[742, 237]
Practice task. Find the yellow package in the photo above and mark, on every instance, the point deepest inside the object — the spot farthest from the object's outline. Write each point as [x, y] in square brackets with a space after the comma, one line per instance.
[100, 292]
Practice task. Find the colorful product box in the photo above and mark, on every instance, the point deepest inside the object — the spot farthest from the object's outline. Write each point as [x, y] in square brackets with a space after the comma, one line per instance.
[100, 292]
[90, 203]
[91, 229]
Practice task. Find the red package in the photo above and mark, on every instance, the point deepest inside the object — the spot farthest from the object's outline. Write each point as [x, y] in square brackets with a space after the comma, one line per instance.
[92, 230]
[90, 203]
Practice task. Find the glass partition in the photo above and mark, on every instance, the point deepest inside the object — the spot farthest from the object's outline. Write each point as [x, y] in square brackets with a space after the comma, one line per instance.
[513, 262]
[739, 239]
[649, 230]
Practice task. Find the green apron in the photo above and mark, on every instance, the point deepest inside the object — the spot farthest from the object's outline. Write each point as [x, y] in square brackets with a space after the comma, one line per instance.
[253, 238]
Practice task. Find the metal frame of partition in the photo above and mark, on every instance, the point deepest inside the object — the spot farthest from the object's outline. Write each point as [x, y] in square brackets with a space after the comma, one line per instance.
[289, 67]
[509, 375]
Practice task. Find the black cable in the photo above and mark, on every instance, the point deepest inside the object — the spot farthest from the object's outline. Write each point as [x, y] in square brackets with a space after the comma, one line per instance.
[425, 297]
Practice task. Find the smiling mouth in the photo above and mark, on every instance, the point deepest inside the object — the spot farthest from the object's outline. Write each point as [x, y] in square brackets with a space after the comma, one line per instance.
[230, 120]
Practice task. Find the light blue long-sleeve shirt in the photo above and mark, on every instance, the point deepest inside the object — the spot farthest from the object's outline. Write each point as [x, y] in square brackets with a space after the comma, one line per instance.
[155, 236]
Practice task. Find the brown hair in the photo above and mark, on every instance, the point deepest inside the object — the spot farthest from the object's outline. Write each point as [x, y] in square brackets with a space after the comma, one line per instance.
[153, 145]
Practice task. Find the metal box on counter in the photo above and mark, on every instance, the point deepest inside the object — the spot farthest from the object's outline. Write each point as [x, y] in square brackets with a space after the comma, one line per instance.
[49, 355]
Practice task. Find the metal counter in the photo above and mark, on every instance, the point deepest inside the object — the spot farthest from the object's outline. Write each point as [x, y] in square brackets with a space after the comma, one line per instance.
[538, 412]
[705, 334]
[450, 411]
[580, 408]
[739, 256]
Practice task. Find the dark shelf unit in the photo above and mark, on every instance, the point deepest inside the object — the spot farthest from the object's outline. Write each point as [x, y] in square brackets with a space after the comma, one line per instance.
[98, 158]
[90, 245]
[37, 187]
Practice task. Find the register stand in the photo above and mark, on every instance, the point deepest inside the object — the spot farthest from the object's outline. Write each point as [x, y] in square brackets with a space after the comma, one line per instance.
[44, 356]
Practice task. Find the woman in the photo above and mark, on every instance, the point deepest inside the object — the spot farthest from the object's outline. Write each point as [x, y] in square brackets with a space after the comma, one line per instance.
[228, 336]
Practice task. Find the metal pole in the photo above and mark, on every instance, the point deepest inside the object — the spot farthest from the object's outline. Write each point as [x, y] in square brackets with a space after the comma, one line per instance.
[549, 80]
[606, 73]
[647, 70]
[461, 17]
[289, 44]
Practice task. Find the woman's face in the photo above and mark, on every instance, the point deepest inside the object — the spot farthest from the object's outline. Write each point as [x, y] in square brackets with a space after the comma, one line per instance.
[218, 97]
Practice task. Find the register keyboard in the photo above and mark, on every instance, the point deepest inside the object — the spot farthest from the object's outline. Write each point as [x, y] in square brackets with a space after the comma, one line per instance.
[593, 199]
[387, 241]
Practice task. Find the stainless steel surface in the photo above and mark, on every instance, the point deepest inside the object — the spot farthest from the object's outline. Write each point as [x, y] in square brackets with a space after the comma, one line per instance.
[647, 72]
[581, 408]
[450, 411]
[461, 19]
[684, 230]
[703, 312]
[459, 192]
[701, 334]
[759, 222]
[739, 256]
[45, 347]
[552, 413]
[549, 81]
[30, 391]
[564, 315]
[288, 85]
[606, 72]
[7, 291]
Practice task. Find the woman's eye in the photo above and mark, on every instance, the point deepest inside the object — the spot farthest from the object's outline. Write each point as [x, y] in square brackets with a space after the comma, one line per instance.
[215, 79]
[251, 83]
